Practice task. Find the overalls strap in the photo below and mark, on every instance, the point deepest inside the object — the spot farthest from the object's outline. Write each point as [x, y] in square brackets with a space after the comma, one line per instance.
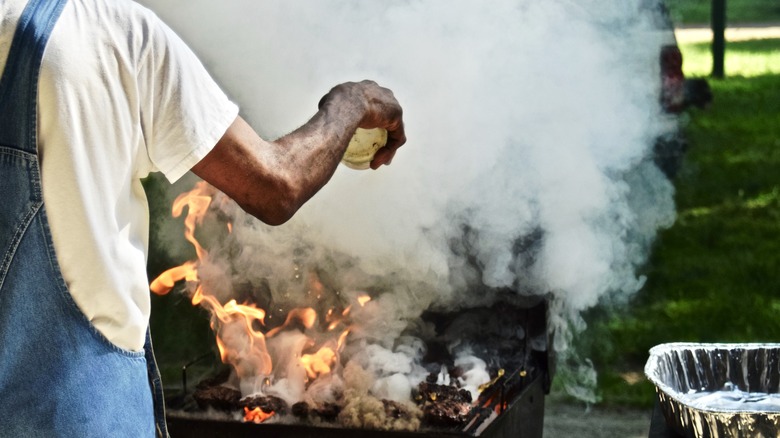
[19, 84]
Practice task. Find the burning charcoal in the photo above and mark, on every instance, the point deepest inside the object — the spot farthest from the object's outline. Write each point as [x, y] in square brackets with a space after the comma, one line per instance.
[433, 392]
[300, 409]
[218, 397]
[218, 379]
[446, 413]
[396, 410]
[328, 411]
[444, 406]
[267, 403]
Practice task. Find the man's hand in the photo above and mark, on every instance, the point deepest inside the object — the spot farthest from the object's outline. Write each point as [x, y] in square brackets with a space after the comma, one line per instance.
[382, 111]
[272, 180]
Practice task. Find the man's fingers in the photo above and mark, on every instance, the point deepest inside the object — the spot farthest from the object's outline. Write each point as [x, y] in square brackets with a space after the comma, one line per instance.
[383, 156]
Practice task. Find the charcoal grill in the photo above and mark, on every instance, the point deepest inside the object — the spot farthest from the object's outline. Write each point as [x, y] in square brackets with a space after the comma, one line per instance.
[512, 406]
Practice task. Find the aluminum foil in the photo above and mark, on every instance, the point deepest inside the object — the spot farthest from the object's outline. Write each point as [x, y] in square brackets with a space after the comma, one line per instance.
[718, 390]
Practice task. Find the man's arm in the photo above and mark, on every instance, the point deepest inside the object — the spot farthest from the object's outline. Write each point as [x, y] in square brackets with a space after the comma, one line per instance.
[272, 180]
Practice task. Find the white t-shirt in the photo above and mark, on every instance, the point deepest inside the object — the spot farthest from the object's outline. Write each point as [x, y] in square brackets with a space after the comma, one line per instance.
[120, 95]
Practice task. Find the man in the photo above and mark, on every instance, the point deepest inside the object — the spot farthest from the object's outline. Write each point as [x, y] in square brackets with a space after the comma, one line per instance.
[96, 94]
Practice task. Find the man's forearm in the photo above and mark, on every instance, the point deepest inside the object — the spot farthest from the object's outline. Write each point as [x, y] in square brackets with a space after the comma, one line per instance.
[313, 151]
[272, 180]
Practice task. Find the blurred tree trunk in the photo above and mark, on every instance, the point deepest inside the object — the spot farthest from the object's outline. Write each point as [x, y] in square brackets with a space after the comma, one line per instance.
[718, 38]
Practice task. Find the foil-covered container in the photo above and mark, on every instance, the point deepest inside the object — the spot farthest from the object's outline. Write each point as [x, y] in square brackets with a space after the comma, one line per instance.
[718, 390]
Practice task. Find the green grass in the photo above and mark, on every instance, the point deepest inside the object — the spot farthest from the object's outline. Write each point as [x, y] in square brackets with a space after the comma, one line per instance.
[744, 58]
[715, 275]
[737, 11]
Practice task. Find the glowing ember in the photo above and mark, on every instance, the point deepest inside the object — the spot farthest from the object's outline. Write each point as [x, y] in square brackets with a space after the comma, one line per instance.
[256, 415]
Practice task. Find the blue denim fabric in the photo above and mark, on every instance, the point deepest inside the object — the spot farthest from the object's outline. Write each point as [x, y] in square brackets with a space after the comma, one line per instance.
[59, 377]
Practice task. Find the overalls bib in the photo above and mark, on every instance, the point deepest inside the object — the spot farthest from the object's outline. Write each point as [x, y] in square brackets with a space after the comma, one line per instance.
[59, 377]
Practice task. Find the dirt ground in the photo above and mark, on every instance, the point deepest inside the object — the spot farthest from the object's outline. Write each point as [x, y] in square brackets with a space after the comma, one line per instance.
[570, 420]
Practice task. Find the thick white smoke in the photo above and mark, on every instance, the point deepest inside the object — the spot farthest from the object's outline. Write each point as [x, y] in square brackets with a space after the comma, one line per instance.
[530, 125]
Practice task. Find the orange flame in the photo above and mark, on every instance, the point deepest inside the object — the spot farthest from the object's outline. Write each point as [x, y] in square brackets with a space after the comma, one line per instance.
[239, 328]
[164, 283]
[307, 317]
[362, 299]
[197, 201]
[343, 338]
[223, 354]
[256, 415]
[319, 363]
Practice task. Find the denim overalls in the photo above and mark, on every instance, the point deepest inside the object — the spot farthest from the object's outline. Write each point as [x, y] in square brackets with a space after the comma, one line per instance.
[59, 377]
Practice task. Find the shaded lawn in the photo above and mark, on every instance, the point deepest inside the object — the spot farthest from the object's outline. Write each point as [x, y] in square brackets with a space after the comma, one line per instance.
[735, 146]
[737, 11]
[715, 275]
[743, 58]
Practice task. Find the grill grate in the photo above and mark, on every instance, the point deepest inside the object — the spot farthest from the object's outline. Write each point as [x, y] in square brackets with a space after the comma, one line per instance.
[512, 405]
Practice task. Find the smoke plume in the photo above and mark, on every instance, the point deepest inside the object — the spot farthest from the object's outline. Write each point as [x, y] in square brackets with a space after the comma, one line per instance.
[528, 166]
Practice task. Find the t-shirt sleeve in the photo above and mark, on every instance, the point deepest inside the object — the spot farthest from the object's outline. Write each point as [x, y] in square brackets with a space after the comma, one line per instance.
[184, 112]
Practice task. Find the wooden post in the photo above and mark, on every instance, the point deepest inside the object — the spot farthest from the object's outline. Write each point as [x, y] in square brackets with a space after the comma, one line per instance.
[718, 38]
